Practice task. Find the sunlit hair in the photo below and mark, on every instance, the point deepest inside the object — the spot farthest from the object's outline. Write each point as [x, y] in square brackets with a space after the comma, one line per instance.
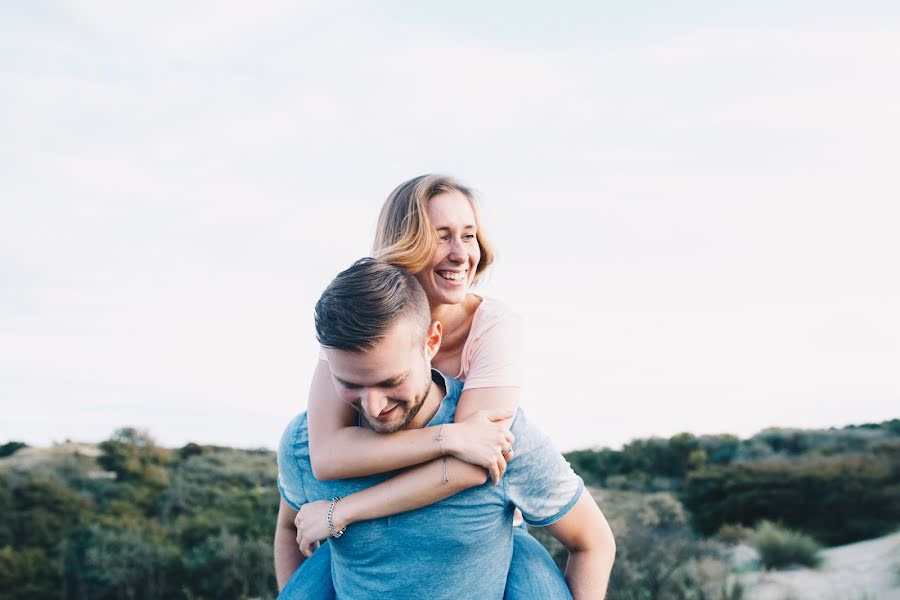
[405, 236]
[361, 304]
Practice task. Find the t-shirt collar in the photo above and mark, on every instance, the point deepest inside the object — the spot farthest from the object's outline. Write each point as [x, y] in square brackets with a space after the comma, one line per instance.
[447, 409]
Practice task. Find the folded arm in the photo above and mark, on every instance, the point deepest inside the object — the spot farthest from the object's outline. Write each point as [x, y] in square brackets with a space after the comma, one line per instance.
[339, 449]
[585, 533]
[406, 491]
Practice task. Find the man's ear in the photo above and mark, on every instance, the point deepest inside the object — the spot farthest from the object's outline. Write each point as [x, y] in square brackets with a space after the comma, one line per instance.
[433, 340]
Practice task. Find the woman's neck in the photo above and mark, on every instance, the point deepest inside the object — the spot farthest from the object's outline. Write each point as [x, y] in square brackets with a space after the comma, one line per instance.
[456, 322]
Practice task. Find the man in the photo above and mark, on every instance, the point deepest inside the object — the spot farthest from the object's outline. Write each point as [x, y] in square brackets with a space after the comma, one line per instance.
[459, 547]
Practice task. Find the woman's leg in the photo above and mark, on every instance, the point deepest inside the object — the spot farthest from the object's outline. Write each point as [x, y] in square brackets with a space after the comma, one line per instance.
[312, 581]
[532, 572]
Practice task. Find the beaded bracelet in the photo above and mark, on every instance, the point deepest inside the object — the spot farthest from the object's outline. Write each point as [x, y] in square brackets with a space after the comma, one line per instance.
[334, 534]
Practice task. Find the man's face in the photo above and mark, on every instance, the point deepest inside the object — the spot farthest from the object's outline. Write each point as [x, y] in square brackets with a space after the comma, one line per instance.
[389, 383]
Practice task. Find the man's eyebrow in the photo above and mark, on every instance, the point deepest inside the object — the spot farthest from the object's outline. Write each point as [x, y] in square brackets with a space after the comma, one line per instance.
[393, 381]
[344, 382]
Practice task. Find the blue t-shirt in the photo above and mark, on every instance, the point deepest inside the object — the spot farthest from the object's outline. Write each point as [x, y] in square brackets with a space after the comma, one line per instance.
[457, 548]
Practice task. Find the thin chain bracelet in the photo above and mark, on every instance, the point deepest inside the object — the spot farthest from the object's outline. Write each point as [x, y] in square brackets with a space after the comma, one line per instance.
[334, 534]
[440, 439]
[446, 478]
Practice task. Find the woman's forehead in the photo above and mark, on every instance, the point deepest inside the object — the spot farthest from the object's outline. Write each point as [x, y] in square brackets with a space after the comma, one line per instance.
[451, 208]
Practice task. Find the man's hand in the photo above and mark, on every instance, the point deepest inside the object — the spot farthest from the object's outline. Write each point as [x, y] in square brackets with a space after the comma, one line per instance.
[482, 440]
[312, 525]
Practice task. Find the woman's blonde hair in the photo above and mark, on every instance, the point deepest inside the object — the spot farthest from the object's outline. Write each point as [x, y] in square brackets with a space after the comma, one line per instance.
[405, 236]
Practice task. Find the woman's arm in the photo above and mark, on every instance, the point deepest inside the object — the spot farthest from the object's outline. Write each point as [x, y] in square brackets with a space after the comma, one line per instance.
[409, 490]
[504, 399]
[338, 449]
[413, 488]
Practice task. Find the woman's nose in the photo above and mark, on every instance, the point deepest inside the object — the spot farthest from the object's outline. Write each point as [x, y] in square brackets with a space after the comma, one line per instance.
[457, 251]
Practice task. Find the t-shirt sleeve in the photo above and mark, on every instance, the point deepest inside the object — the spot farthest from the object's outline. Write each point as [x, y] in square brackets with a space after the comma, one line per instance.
[539, 481]
[290, 480]
[496, 357]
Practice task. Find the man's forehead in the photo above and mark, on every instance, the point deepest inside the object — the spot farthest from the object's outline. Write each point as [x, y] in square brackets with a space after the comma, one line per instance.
[369, 368]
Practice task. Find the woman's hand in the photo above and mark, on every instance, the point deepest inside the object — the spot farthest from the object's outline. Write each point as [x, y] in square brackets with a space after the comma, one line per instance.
[312, 525]
[482, 440]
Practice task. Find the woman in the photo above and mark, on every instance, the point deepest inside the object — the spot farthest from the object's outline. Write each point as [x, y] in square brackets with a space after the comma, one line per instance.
[429, 226]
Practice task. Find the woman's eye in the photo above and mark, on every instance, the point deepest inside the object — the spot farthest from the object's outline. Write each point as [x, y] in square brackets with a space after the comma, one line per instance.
[469, 236]
[444, 238]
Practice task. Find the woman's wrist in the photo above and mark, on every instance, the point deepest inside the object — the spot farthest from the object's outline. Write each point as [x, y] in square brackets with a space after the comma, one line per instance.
[446, 439]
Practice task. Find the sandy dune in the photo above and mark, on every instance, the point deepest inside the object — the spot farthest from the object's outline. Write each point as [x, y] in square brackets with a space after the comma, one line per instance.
[862, 571]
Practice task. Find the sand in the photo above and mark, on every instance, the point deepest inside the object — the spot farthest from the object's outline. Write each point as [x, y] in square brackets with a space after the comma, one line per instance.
[867, 570]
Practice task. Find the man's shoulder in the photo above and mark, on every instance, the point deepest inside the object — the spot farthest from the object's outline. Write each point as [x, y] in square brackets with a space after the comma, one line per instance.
[539, 480]
[293, 462]
[294, 446]
[297, 429]
[534, 448]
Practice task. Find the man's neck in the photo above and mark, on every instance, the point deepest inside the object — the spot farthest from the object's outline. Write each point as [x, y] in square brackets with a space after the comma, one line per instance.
[430, 406]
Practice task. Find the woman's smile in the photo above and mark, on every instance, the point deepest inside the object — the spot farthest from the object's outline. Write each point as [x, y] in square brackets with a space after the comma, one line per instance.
[454, 276]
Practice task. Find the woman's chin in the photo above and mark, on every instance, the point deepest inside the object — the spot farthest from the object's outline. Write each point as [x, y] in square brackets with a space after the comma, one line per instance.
[455, 296]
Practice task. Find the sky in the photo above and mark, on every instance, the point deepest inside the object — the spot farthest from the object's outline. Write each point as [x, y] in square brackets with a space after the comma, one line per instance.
[696, 206]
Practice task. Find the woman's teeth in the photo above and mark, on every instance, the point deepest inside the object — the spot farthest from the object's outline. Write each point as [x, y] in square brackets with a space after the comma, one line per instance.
[453, 276]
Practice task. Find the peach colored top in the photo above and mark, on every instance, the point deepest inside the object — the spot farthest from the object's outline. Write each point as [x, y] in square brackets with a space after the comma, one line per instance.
[493, 355]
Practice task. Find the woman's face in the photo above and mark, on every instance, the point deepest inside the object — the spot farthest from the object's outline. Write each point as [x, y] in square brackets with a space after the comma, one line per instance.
[452, 269]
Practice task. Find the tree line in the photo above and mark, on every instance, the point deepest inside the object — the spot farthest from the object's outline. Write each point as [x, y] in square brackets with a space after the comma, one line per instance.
[839, 485]
[130, 519]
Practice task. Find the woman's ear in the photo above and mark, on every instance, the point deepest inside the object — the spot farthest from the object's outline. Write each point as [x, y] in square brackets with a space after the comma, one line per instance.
[433, 341]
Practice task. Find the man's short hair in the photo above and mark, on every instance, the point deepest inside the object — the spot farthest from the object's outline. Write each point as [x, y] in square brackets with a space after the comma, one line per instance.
[363, 302]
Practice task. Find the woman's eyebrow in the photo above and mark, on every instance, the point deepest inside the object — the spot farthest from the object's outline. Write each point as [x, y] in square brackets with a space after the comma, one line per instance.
[445, 228]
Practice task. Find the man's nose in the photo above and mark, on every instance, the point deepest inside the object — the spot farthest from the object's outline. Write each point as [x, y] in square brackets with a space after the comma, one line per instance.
[373, 401]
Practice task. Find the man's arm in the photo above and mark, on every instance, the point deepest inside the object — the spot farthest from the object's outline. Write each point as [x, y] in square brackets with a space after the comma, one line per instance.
[287, 553]
[585, 533]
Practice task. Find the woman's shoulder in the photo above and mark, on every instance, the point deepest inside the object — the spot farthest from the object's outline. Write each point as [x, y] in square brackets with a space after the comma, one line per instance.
[494, 318]
[492, 311]
[492, 356]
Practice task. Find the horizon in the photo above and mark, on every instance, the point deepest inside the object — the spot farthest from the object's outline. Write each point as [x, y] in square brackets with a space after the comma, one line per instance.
[617, 448]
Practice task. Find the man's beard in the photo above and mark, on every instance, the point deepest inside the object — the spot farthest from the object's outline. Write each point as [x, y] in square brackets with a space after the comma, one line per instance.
[412, 409]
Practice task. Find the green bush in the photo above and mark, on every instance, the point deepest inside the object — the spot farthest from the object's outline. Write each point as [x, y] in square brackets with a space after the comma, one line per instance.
[195, 524]
[779, 547]
[10, 448]
[658, 556]
[732, 534]
[803, 493]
